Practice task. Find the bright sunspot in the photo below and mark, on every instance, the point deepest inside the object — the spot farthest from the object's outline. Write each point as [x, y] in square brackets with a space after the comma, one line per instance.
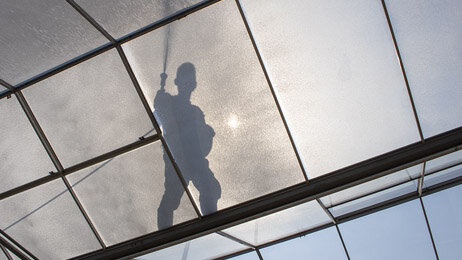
[233, 122]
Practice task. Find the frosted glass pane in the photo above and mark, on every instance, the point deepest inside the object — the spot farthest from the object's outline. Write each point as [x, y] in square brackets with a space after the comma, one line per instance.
[226, 135]
[23, 158]
[399, 232]
[442, 176]
[443, 162]
[444, 212]
[337, 78]
[120, 17]
[207, 247]
[122, 195]
[429, 36]
[89, 109]
[371, 186]
[47, 222]
[280, 224]
[374, 198]
[38, 35]
[322, 244]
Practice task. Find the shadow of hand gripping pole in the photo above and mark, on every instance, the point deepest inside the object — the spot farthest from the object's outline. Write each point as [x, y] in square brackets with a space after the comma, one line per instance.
[190, 140]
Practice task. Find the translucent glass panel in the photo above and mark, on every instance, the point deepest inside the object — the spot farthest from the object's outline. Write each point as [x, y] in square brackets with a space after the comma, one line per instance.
[89, 109]
[399, 232]
[429, 36]
[337, 78]
[22, 156]
[47, 222]
[444, 212]
[207, 247]
[322, 244]
[442, 162]
[121, 17]
[280, 224]
[216, 110]
[372, 186]
[38, 35]
[122, 195]
[442, 176]
[373, 199]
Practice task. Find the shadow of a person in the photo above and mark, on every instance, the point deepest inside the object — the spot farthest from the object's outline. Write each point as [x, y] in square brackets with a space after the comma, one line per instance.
[190, 140]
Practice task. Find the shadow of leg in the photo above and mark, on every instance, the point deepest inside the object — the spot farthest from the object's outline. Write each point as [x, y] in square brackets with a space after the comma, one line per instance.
[209, 188]
[171, 198]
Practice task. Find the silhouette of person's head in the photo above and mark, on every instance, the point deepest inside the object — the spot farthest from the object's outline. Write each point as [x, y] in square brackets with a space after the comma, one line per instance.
[186, 79]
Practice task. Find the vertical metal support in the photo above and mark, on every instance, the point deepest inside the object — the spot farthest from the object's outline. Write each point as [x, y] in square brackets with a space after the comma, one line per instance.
[258, 253]
[421, 179]
[403, 71]
[9, 246]
[335, 222]
[6, 253]
[19, 246]
[242, 242]
[343, 242]
[54, 158]
[326, 210]
[38, 130]
[91, 20]
[428, 227]
[270, 84]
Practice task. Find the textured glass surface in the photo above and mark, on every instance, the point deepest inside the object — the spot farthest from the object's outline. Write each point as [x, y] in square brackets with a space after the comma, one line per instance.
[399, 232]
[38, 35]
[374, 198]
[227, 135]
[322, 244]
[22, 155]
[122, 195]
[207, 247]
[429, 36]
[442, 162]
[372, 186]
[337, 78]
[89, 109]
[47, 222]
[247, 256]
[280, 224]
[120, 17]
[442, 176]
[444, 212]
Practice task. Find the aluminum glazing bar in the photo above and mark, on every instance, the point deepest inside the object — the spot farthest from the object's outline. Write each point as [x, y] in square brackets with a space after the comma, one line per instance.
[19, 246]
[403, 71]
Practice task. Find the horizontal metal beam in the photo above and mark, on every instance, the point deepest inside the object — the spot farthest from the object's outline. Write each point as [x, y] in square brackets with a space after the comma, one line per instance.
[346, 177]
[108, 46]
[53, 176]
